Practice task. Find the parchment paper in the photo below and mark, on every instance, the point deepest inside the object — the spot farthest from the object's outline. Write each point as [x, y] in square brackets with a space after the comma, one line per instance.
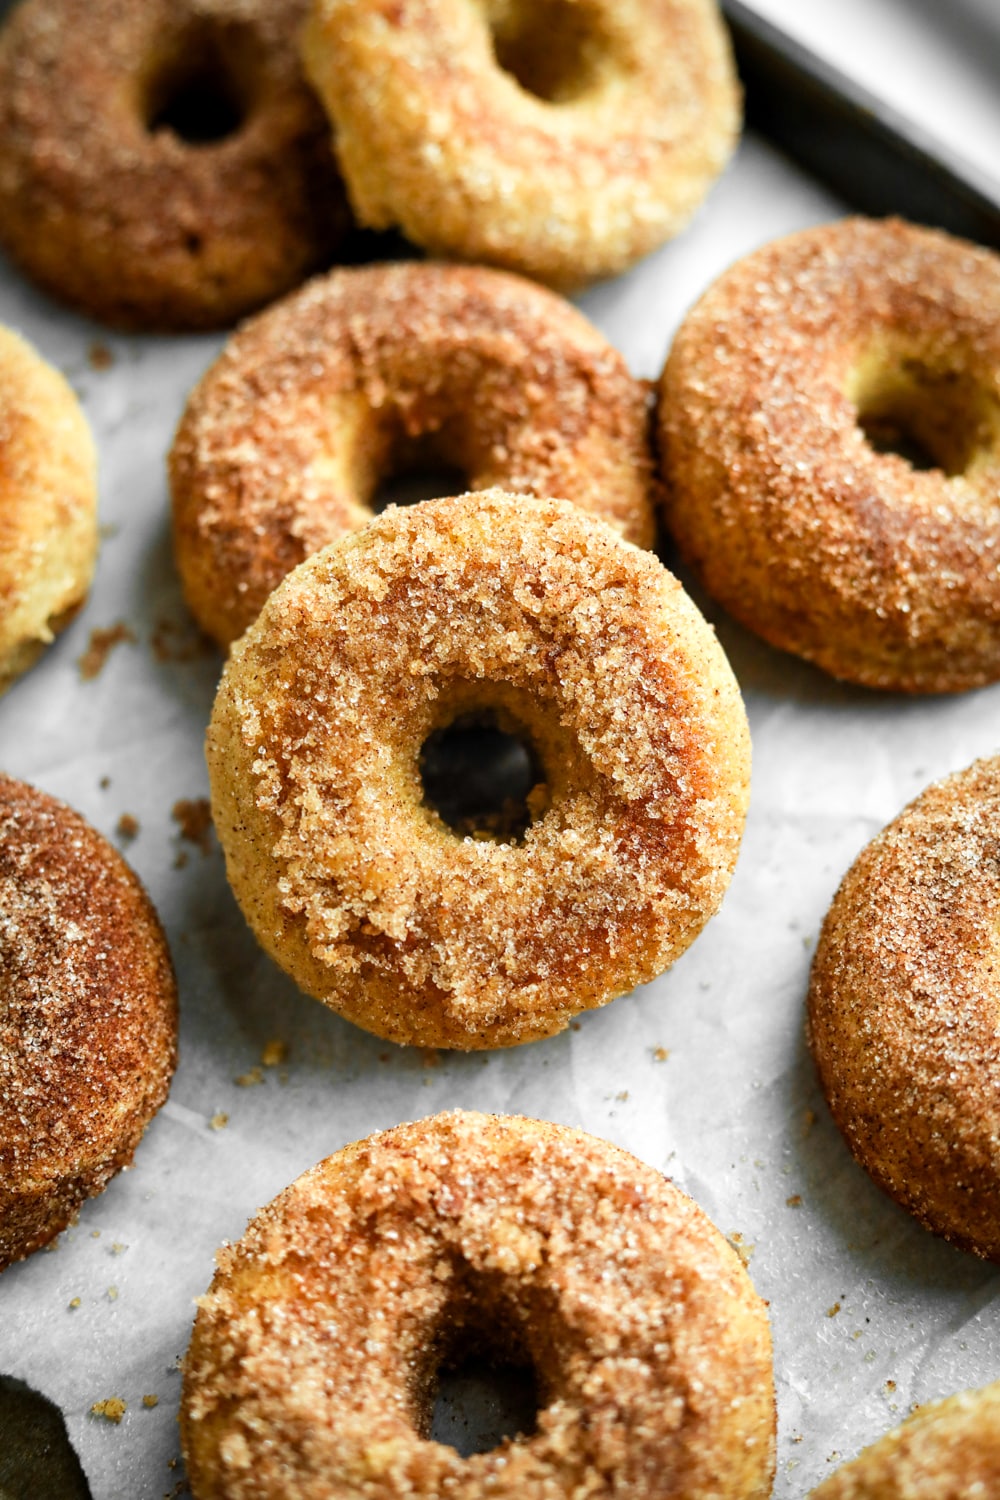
[870, 1313]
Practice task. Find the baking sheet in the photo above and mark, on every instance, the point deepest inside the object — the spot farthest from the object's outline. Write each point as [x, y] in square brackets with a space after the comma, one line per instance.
[704, 1073]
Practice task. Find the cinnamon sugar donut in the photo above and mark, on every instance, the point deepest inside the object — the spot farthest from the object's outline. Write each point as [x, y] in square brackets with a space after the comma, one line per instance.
[48, 506]
[903, 1008]
[88, 1016]
[786, 383]
[283, 443]
[496, 609]
[948, 1450]
[561, 138]
[163, 164]
[315, 1356]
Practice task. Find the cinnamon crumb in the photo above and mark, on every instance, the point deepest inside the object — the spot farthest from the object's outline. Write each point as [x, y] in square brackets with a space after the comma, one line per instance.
[99, 356]
[113, 1409]
[795, 1201]
[127, 827]
[194, 819]
[102, 643]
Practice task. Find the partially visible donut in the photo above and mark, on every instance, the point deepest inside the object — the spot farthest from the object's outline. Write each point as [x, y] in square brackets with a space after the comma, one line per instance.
[503, 610]
[903, 1007]
[48, 506]
[785, 384]
[947, 1450]
[284, 441]
[163, 163]
[561, 138]
[88, 1016]
[315, 1356]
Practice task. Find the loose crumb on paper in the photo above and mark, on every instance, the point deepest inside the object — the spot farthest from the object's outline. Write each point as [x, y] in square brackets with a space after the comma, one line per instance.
[102, 643]
[112, 1410]
[99, 356]
[150, 1401]
[660, 1054]
[127, 828]
[252, 1077]
[795, 1201]
[193, 817]
[219, 1120]
[275, 1051]
[832, 1312]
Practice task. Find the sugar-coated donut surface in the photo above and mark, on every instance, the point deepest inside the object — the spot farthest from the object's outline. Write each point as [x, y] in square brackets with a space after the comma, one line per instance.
[315, 1354]
[122, 216]
[947, 1450]
[484, 603]
[285, 439]
[561, 138]
[903, 1008]
[88, 1016]
[786, 381]
[48, 505]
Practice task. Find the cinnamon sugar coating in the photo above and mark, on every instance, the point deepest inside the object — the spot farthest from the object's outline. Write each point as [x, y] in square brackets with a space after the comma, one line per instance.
[487, 603]
[786, 381]
[285, 439]
[48, 506]
[111, 210]
[313, 1364]
[561, 138]
[88, 1016]
[903, 1008]
[947, 1450]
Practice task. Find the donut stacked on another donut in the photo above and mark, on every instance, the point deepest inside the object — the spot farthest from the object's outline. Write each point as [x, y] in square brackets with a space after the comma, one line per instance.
[284, 441]
[88, 1016]
[48, 506]
[499, 609]
[948, 1450]
[163, 164]
[561, 138]
[315, 1355]
[786, 380]
[903, 1008]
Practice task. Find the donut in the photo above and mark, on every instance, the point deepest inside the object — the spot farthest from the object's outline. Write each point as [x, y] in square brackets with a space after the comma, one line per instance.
[88, 1019]
[163, 163]
[561, 138]
[903, 1005]
[948, 1450]
[487, 609]
[48, 505]
[315, 1356]
[283, 443]
[830, 440]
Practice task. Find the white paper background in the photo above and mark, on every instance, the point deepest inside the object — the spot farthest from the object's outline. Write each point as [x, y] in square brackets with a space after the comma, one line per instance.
[726, 1115]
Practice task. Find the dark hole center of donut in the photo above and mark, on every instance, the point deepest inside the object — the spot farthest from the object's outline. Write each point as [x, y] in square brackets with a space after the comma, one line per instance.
[548, 46]
[483, 1401]
[198, 100]
[933, 419]
[479, 778]
[416, 482]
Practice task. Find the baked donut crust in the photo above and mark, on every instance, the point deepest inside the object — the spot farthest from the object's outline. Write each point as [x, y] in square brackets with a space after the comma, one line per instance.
[125, 219]
[881, 573]
[947, 1450]
[48, 506]
[88, 1016]
[903, 1008]
[629, 111]
[315, 1353]
[477, 605]
[285, 439]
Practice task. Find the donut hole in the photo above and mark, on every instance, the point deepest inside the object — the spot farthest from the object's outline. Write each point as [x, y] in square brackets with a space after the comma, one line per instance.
[199, 90]
[931, 418]
[411, 483]
[482, 1387]
[483, 1400]
[483, 777]
[551, 48]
